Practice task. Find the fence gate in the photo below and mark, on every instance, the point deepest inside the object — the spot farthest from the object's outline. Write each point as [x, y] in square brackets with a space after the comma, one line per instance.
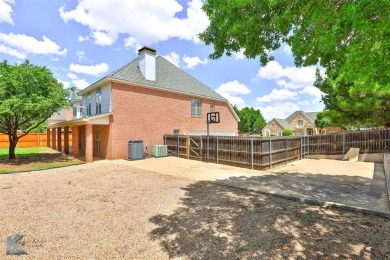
[195, 147]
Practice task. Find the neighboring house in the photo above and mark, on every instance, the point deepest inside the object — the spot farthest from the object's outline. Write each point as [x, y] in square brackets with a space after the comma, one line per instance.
[145, 99]
[301, 123]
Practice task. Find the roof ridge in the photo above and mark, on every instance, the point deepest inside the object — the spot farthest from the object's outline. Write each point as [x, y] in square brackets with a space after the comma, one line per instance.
[191, 76]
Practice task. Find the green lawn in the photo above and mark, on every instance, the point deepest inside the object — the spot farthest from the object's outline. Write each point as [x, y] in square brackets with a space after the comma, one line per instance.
[22, 152]
[35, 158]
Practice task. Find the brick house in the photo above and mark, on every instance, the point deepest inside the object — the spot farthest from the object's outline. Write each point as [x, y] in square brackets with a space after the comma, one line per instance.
[301, 123]
[144, 99]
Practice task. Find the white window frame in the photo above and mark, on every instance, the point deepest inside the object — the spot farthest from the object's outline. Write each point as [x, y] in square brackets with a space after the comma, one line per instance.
[212, 106]
[196, 107]
[89, 105]
[98, 101]
[299, 125]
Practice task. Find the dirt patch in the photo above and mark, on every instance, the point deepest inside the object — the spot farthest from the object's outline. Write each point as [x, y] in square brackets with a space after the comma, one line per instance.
[108, 210]
[36, 161]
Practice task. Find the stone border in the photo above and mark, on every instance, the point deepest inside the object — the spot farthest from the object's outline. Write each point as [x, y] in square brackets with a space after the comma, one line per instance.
[325, 204]
[386, 166]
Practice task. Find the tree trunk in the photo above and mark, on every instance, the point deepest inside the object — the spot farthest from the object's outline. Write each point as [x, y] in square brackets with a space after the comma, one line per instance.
[13, 141]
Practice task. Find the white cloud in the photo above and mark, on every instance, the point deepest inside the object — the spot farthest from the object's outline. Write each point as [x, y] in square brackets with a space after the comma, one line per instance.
[312, 91]
[80, 83]
[82, 38]
[80, 56]
[147, 21]
[289, 85]
[173, 58]
[12, 52]
[6, 11]
[239, 55]
[231, 90]
[20, 45]
[278, 95]
[273, 70]
[72, 76]
[94, 70]
[192, 62]
[104, 38]
[303, 103]
[66, 84]
[278, 110]
[287, 49]
[131, 42]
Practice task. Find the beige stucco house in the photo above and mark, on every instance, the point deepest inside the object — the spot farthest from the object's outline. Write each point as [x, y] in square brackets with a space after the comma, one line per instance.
[300, 122]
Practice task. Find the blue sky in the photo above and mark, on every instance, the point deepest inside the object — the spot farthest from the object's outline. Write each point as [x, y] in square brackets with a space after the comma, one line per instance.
[81, 41]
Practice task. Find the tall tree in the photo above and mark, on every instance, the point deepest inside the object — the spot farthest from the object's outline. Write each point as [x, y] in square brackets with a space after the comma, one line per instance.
[352, 104]
[251, 120]
[29, 95]
[350, 37]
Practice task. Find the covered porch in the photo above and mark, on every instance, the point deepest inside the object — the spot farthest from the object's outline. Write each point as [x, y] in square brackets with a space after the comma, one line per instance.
[89, 137]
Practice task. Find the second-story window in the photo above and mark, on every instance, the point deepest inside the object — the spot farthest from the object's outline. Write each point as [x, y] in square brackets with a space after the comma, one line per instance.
[74, 111]
[89, 105]
[300, 124]
[196, 107]
[98, 101]
[212, 107]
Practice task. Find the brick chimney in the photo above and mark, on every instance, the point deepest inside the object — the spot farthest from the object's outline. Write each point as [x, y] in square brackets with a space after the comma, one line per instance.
[147, 62]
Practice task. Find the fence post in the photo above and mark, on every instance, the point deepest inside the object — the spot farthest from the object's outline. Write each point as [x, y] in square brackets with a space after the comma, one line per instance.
[301, 150]
[252, 153]
[308, 146]
[201, 149]
[270, 153]
[343, 143]
[178, 145]
[285, 144]
[188, 147]
[217, 151]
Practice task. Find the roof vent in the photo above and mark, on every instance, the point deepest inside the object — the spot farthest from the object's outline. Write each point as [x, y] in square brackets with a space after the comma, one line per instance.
[147, 62]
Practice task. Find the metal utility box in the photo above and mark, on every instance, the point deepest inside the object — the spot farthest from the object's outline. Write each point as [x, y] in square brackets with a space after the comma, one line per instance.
[158, 150]
[136, 150]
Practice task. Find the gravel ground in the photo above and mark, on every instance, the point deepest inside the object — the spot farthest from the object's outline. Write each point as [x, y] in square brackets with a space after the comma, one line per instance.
[106, 210]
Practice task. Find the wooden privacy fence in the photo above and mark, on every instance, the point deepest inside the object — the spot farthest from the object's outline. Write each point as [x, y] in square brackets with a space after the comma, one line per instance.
[262, 153]
[31, 140]
[369, 141]
[254, 153]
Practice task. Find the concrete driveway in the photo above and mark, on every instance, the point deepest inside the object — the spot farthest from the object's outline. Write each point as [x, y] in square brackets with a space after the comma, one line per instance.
[357, 184]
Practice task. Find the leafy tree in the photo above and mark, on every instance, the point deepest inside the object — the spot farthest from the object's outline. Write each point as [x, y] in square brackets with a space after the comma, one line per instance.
[29, 95]
[349, 104]
[350, 37]
[322, 121]
[251, 120]
[287, 132]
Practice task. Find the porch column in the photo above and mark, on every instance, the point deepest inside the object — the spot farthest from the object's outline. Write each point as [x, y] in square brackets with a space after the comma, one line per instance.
[75, 141]
[66, 139]
[59, 146]
[88, 143]
[53, 138]
[48, 137]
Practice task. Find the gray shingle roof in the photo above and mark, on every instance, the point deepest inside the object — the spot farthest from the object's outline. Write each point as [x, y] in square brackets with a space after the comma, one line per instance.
[283, 123]
[168, 77]
[312, 115]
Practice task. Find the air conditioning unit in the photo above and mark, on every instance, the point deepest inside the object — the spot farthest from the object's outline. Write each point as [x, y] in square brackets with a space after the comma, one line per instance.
[158, 150]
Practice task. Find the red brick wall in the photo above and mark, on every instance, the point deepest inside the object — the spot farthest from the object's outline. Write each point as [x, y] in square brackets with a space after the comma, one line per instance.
[147, 114]
[104, 135]
[75, 141]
